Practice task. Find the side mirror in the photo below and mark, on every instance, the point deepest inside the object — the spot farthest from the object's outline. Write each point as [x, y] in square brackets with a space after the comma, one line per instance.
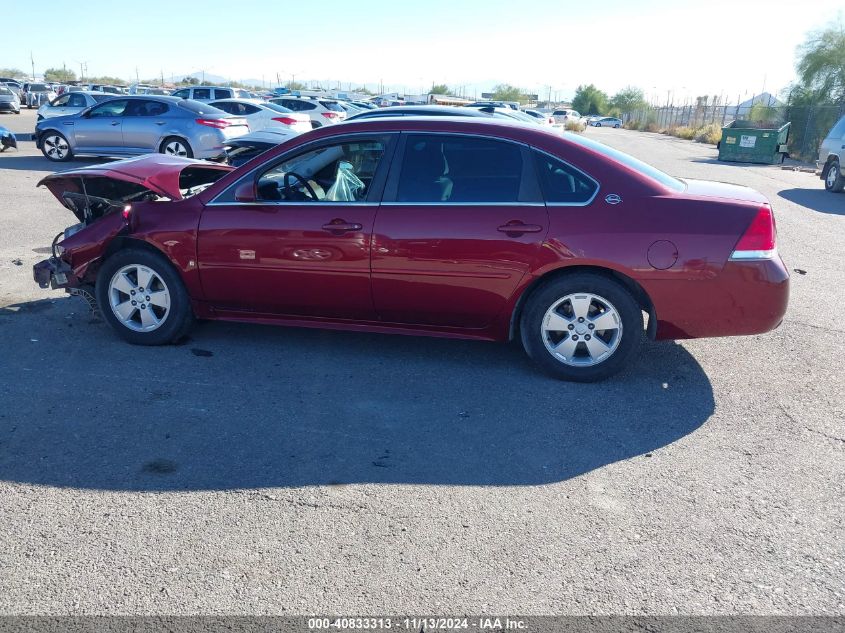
[245, 192]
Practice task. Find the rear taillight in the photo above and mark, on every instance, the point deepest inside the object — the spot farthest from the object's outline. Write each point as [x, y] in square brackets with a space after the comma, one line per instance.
[330, 115]
[220, 124]
[758, 241]
[285, 119]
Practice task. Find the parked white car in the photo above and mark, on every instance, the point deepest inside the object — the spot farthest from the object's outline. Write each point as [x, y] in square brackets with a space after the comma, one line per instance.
[605, 121]
[562, 117]
[71, 103]
[260, 115]
[543, 118]
[207, 94]
[321, 111]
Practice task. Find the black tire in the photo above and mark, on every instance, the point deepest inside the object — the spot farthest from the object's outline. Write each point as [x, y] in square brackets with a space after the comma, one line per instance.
[47, 143]
[836, 184]
[189, 152]
[616, 126]
[544, 297]
[598, 124]
[177, 320]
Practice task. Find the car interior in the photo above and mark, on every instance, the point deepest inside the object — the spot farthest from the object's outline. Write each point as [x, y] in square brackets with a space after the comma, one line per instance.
[339, 173]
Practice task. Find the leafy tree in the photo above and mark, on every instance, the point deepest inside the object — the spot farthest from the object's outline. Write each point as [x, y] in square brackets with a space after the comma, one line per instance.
[106, 79]
[296, 85]
[821, 63]
[439, 89]
[629, 99]
[506, 92]
[589, 100]
[61, 75]
[191, 81]
[12, 73]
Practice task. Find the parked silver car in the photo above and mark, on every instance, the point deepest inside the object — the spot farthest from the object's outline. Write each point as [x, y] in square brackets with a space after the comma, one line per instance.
[134, 125]
[70, 103]
[604, 121]
[832, 158]
[9, 101]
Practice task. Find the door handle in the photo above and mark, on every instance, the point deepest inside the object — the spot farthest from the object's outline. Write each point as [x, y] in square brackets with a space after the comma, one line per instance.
[342, 226]
[160, 122]
[519, 227]
[115, 122]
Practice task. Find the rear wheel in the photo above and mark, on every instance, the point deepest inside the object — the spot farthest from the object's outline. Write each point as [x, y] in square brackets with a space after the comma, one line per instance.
[582, 327]
[175, 146]
[833, 180]
[143, 298]
[55, 147]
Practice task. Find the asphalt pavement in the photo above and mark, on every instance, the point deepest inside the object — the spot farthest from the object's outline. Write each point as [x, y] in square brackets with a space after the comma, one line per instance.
[263, 470]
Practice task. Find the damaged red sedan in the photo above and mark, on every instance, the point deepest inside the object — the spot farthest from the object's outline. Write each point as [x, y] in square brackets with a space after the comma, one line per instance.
[448, 227]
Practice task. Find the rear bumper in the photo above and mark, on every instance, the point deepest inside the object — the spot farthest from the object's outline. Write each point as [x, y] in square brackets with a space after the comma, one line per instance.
[746, 297]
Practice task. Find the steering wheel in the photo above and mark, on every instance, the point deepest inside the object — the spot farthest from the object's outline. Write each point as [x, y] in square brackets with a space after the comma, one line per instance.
[304, 183]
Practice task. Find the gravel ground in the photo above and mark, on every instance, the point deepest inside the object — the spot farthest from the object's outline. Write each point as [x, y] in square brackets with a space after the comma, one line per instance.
[284, 471]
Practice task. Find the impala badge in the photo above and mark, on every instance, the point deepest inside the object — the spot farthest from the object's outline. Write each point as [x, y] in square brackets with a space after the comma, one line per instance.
[247, 254]
[613, 198]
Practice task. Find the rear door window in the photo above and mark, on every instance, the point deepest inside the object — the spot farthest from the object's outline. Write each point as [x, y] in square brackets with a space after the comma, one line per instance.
[222, 93]
[838, 130]
[202, 93]
[562, 183]
[459, 169]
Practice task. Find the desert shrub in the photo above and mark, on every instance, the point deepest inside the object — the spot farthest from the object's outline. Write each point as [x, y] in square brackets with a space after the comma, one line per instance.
[574, 126]
[684, 132]
[711, 133]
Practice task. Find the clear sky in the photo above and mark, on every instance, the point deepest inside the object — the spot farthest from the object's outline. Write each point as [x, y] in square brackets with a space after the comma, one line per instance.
[687, 47]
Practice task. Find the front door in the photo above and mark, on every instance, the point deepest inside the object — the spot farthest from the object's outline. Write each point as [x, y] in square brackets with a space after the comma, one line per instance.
[302, 248]
[461, 224]
[100, 128]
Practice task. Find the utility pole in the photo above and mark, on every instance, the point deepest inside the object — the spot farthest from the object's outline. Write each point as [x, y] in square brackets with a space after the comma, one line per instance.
[32, 61]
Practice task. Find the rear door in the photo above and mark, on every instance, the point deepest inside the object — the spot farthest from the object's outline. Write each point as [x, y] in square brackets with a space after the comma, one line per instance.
[461, 223]
[143, 124]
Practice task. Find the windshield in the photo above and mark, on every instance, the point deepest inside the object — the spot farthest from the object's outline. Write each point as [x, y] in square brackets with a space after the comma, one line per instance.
[277, 107]
[201, 108]
[38, 88]
[331, 105]
[5, 91]
[629, 161]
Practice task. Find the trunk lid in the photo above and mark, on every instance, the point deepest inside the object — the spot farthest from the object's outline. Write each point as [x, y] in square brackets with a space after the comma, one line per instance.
[723, 190]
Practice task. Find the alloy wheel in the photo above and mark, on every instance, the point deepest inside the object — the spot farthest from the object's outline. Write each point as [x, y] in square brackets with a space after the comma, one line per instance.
[139, 298]
[581, 329]
[832, 174]
[175, 148]
[56, 146]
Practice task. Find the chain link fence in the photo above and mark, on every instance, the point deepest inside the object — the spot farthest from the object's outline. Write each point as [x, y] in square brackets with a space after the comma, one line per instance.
[810, 123]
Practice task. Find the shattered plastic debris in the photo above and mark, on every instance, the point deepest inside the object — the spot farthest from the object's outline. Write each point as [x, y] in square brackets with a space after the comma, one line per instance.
[800, 271]
[17, 261]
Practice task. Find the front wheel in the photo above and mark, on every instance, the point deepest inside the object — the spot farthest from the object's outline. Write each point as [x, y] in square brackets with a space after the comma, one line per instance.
[143, 298]
[833, 180]
[582, 327]
[55, 147]
[598, 124]
[174, 146]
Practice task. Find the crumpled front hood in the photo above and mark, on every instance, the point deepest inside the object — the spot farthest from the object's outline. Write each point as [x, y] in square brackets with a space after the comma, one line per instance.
[157, 172]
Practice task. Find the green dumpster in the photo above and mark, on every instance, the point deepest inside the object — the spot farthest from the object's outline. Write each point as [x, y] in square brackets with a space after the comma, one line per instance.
[754, 142]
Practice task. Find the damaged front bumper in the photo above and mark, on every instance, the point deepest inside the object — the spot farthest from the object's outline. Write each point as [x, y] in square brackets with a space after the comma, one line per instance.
[54, 273]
